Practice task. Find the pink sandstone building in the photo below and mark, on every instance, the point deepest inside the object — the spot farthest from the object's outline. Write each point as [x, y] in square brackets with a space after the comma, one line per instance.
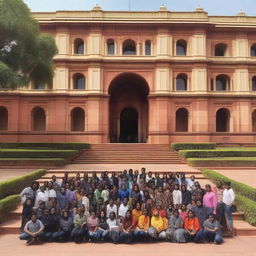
[155, 77]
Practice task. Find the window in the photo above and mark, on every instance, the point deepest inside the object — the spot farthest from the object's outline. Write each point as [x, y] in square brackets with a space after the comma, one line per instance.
[129, 47]
[38, 119]
[222, 83]
[181, 82]
[181, 120]
[39, 86]
[253, 50]
[254, 83]
[110, 47]
[254, 121]
[3, 119]
[79, 46]
[77, 119]
[181, 48]
[148, 47]
[222, 120]
[79, 82]
[220, 49]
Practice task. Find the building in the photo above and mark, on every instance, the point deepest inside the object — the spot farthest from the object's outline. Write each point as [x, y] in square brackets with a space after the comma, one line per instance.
[155, 77]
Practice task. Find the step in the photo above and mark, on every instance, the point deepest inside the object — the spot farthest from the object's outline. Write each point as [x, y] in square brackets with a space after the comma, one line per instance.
[243, 228]
[10, 227]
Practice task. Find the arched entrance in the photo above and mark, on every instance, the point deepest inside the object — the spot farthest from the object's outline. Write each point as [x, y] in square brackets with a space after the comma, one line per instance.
[128, 109]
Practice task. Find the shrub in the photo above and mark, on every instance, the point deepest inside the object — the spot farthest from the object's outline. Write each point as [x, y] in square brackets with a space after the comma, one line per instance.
[15, 185]
[238, 187]
[181, 146]
[8, 204]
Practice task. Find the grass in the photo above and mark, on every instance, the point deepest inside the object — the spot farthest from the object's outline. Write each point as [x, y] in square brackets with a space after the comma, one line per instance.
[236, 149]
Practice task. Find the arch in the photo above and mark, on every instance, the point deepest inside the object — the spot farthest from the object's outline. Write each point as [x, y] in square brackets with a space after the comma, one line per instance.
[3, 118]
[253, 50]
[221, 49]
[110, 46]
[222, 120]
[254, 120]
[181, 120]
[79, 81]
[181, 82]
[79, 46]
[38, 119]
[148, 47]
[222, 83]
[77, 119]
[254, 83]
[129, 47]
[181, 47]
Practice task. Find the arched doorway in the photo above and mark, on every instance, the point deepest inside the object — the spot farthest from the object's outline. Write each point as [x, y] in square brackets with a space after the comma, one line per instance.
[128, 109]
[222, 120]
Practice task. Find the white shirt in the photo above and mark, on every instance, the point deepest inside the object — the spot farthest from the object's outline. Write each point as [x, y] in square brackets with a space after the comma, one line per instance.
[86, 203]
[228, 196]
[112, 223]
[177, 198]
[122, 210]
[105, 195]
[190, 184]
[111, 209]
[41, 196]
[52, 193]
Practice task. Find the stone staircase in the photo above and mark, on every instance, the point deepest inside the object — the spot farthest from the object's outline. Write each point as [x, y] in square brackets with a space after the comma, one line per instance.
[132, 153]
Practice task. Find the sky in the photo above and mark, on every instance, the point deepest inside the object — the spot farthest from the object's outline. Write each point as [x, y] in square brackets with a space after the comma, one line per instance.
[213, 7]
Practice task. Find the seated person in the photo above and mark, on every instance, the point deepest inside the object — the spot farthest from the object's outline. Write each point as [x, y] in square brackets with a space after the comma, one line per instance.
[142, 227]
[192, 226]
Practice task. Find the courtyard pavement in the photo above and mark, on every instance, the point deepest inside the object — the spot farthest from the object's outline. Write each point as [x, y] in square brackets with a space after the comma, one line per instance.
[11, 173]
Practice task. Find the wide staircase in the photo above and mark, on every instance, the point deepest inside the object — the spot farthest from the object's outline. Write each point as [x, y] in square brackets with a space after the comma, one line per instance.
[132, 153]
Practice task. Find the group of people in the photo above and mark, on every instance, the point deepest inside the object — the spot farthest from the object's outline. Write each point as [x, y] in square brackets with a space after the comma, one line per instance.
[125, 207]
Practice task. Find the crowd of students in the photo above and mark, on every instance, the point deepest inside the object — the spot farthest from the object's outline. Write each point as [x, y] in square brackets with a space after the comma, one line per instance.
[126, 207]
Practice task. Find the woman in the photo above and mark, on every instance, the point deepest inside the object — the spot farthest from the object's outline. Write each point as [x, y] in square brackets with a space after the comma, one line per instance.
[135, 195]
[127, 227]
[176, 232]
[186, 195]
[192, 226]
[113, 227]
[141, 230]
[136, 213]
[93, 227]
[183, 212]
[103, 225]
[177, 196]
[210, 200]
[26, 213]
[160, 197]
[198, 192]
[168, 199]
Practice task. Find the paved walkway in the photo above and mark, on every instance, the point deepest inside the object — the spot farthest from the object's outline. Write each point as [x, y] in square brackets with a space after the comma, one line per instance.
[11, 246]
[246, 176]
[11, 173]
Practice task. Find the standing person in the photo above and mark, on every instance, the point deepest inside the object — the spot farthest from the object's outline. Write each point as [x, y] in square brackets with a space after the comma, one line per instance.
[62, 198]
[123, 193]
[141, 230]
[186, 195]
[192, 226]
[41, 196]
[26, 213]
[111, 207]
[177, 196]
[228, 199]
[29, 193]
[210, 199]
[124, 207]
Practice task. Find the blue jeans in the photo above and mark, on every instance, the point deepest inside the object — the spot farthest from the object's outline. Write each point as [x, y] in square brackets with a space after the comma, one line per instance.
[209, 236]
[139, 234]
[26, 236]
[228, 213]
[77, 234]
[95, 235]
[60, 235]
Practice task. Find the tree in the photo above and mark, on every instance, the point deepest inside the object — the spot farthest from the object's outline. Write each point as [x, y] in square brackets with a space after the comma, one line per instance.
[25, 54]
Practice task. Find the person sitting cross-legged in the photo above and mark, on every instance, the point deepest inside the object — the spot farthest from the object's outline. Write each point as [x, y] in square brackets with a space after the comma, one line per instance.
[192, 226]
[141, 231]
[33, 230]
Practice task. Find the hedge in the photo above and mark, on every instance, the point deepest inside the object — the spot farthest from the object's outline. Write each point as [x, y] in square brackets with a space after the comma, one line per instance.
[222, 162]
[238, 187]
[216, 153]
[17, 184]
[75, 146]
[33, 153]
[8, 204]
[183, 146]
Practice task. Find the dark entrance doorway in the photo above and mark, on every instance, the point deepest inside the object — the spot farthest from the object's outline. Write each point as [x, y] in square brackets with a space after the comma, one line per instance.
[129, 126]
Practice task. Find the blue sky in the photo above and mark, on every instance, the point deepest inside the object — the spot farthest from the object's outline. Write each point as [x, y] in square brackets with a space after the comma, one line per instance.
[213, 7]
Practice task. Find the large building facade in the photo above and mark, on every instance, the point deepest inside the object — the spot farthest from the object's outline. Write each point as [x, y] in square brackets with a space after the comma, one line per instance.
[155, 77]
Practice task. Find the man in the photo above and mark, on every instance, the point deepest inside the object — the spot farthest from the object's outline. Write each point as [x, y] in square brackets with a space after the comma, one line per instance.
[200, 211]
[123, 208]
[111, 207]
[228, 199]
[211, 232]
[33, 230]
[123, 193]
[29, 193]
[41, 196]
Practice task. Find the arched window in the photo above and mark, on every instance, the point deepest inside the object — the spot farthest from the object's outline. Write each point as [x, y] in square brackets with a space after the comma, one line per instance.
[79, 46]
[110, 47]
[181, 48]
[220, 49]
[253, 50]
[181, 82]
[77, 119]
[129, 47]
[3, 119]
[222, 83]
[254, 121]
[38, 119]
[222, 120]
[79, 82]
[181, 120]
[254, 83]
[148, 47]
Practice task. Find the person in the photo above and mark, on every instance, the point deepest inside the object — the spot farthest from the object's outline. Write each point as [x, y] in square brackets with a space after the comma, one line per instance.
[113, 227]
[123, 208]
[41, 196]
[158, 226]
[220, 214]
[185, 195]
[210, 199]
[123, 193]
[141, 230]
[198, 192]
[136, 213]
[65, 228]
[29, 192]
[33, 230]
[103, 225]
[105, 194]
[26, 213]
[176, 232]
[79, 231]
[125, 235]
[93, 227]
[228, 199]
[191, 183]
[200, 211]
[86, 202]
[111, 207]
[211, 232]
[192, 226]
[177, 196]
[183, 212]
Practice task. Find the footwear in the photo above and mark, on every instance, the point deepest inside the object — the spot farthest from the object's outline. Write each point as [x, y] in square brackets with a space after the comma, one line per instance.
[30, 241]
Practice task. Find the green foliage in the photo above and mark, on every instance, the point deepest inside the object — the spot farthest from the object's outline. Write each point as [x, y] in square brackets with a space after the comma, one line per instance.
[217, 153]
[32, 162]
[238, 187]
[223, 162]
[8, 204]
[25, 54]
[17, 184]
[183, 146]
